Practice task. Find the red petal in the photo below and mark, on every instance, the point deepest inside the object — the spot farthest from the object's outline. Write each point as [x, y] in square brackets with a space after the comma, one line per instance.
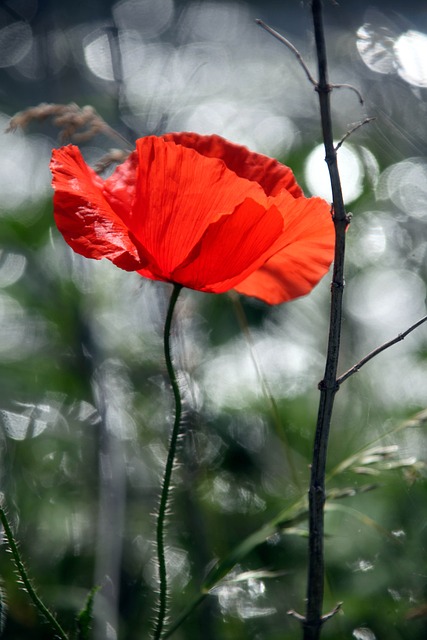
[267, 172]
[303, 261]
[119, 188]
[231, 248]
[83, 215]
[179, 194]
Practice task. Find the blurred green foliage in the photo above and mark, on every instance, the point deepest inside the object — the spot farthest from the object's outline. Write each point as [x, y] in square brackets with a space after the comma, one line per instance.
[85, 409]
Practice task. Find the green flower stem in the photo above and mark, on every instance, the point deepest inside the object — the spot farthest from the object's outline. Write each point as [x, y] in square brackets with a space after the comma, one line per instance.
[40, 606]
[166, 485]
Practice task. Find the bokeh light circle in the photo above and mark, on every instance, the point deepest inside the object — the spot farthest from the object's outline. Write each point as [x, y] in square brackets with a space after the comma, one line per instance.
[411, 54]
[405, 184]
[351, 172]
[386, 298]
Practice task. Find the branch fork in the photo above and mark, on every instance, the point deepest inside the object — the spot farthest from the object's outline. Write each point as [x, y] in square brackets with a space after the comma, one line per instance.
[324, 618]
[326, 88]
[313, 620]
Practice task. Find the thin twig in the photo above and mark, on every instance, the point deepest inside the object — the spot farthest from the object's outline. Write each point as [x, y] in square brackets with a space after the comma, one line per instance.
[332, 613]
[296, 615]
[349, 86]
[302, 62]
[355, 368]
[290, 46]
[352, 130]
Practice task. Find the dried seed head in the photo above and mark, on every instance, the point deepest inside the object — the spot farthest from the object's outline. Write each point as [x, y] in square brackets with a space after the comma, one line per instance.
[75, 123]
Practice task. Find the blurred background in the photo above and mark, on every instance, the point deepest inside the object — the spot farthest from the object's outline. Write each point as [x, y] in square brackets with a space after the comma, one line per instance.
[85, 404]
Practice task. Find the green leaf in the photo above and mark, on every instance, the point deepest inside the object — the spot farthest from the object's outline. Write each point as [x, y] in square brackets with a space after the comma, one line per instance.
[85, 616]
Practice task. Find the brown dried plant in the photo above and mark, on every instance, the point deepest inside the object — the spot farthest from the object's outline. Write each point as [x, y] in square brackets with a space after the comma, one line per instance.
[76, 124]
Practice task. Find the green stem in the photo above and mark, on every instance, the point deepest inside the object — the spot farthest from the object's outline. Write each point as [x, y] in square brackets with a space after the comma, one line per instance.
[166, 485]
[25, 579]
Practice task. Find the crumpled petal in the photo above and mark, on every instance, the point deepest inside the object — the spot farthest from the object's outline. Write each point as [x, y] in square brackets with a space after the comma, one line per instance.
[179, 194]
[217, 262]
[119, 189]
[306, 257]
[270, 174]
[84, 216]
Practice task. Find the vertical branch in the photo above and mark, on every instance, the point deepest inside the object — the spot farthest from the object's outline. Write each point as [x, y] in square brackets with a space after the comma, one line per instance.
[328, 387]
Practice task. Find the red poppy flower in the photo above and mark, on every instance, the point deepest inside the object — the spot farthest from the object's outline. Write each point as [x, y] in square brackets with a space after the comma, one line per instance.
[197, 211]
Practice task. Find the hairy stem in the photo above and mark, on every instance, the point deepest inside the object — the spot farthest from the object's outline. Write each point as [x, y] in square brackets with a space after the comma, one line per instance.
[40, 606]
[328, 387]
[166, 485]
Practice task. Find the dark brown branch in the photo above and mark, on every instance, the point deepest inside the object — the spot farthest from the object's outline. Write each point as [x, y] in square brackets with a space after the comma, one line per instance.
[355, 368]
[315, 578]
[313, 620]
